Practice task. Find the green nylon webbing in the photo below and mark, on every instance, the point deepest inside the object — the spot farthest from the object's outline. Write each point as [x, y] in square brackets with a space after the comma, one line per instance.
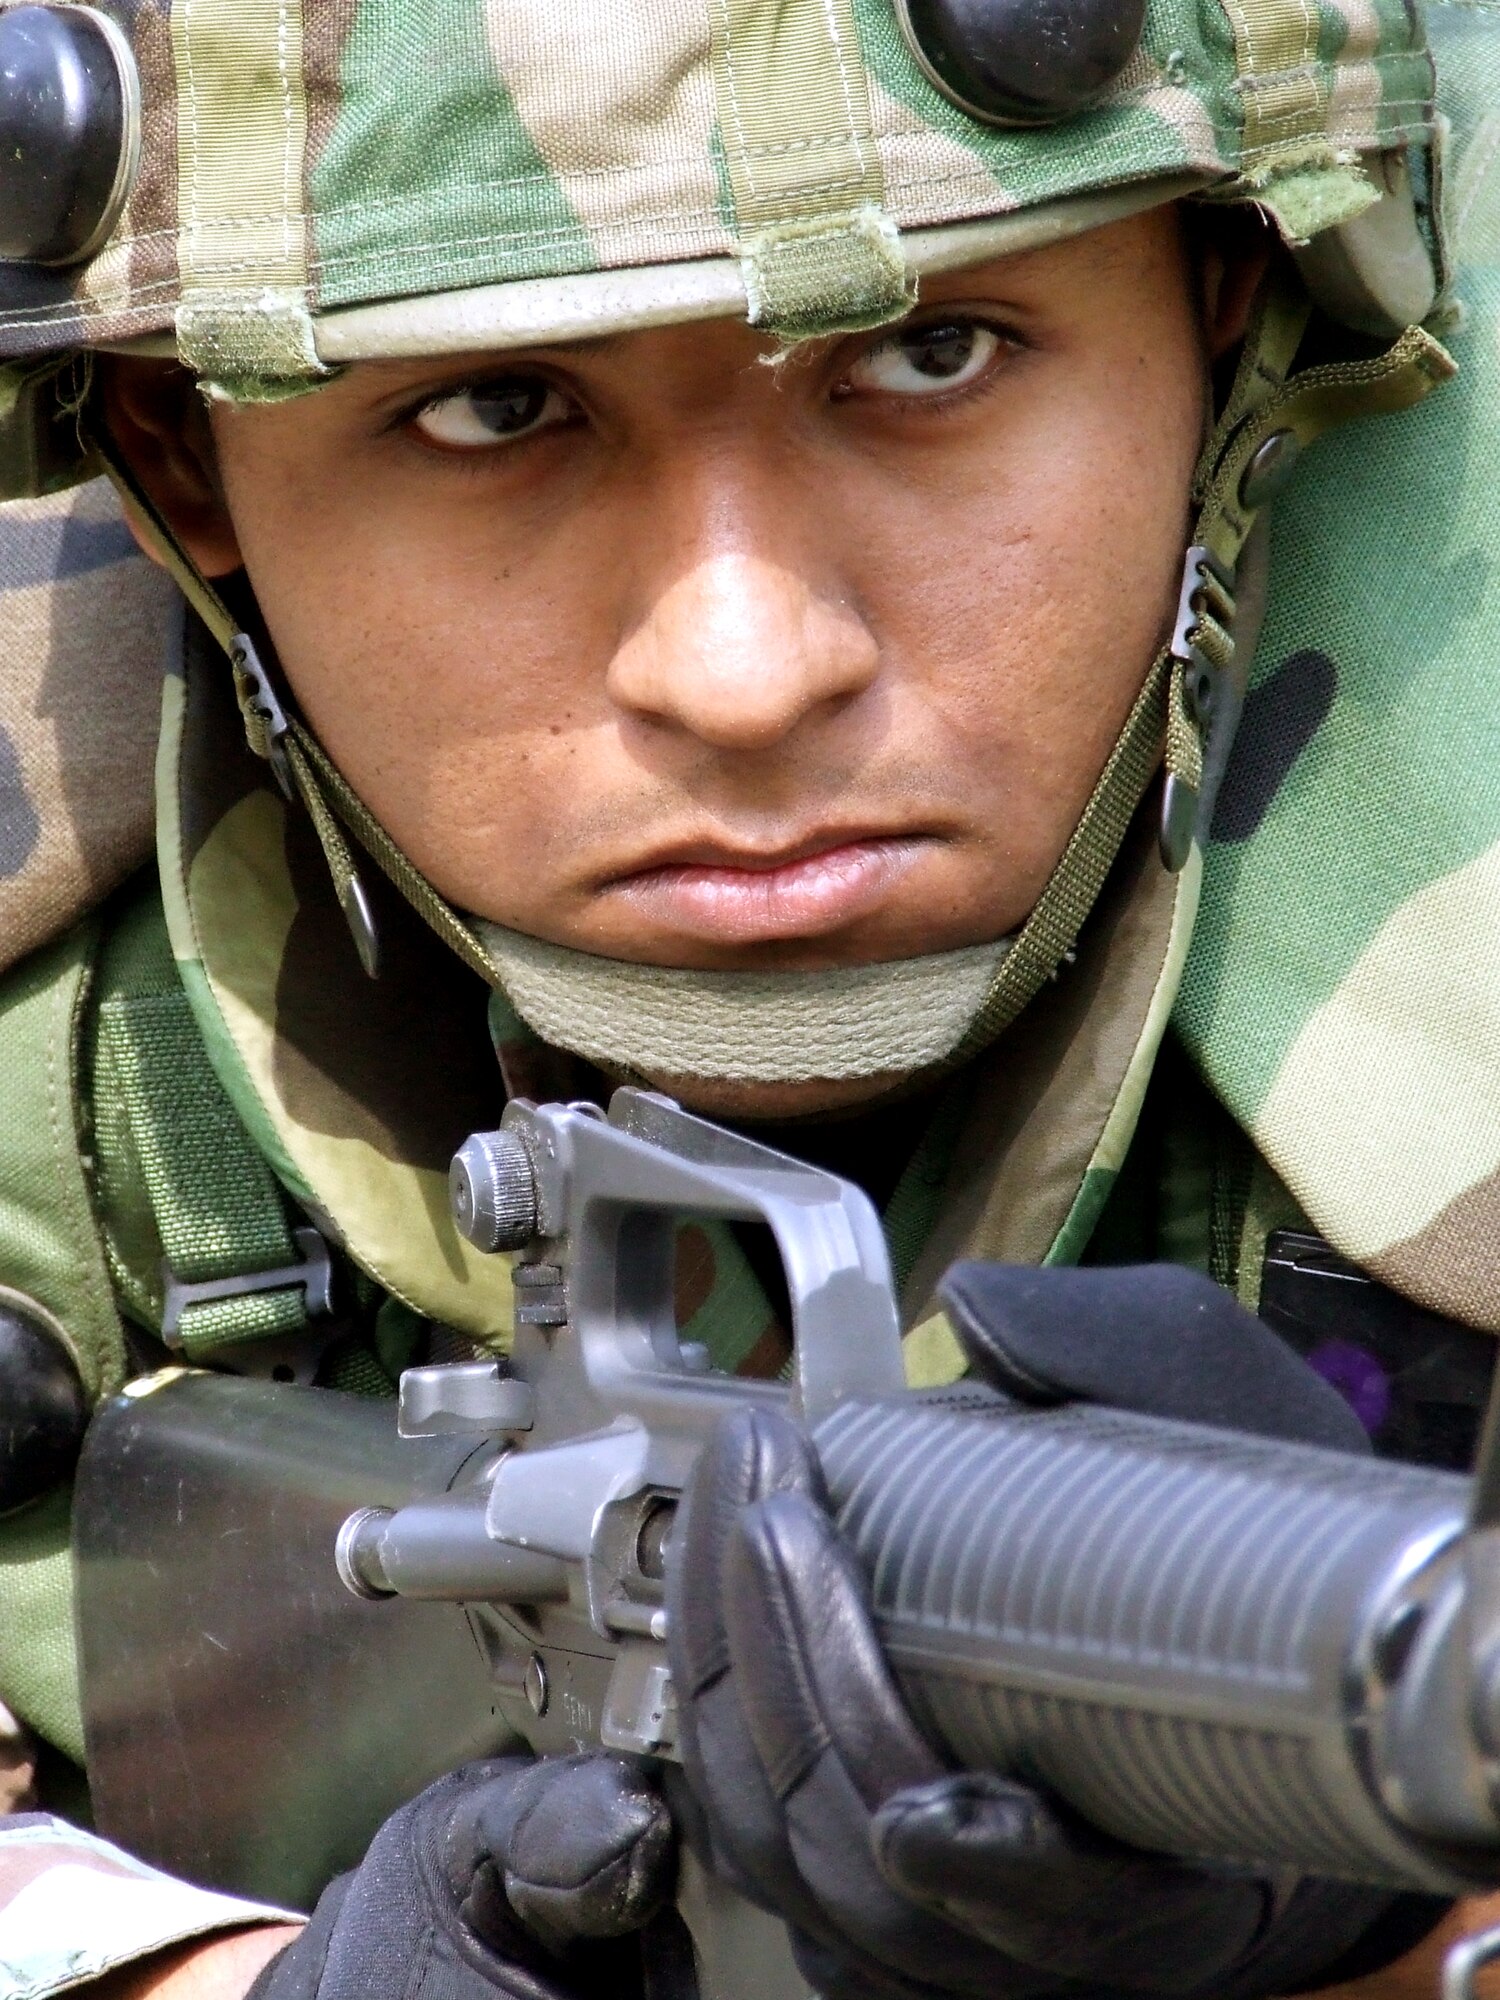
[1278, 321]
[1074, 885]
[242, 241]
[312, 775]
[169, 1144]
[794, 113]
[317, 772]
[1280, 84]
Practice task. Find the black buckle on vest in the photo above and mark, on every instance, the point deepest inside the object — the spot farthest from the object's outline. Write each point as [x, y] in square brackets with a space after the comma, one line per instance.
[314, 1273]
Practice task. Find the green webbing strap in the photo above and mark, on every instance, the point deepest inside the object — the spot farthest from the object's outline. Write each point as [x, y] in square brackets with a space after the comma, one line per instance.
[1074, 885]
[169, 1142]
[1280, 87]
[315, 772]
[817, 248]
[242, 237]
[284, 741]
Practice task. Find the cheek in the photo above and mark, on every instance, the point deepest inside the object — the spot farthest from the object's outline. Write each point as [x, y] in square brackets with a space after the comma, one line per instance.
[449, 668]
[1029, 580]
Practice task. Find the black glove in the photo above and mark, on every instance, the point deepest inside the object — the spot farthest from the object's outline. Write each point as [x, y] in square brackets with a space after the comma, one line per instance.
[529, 1880]
[812, 1791]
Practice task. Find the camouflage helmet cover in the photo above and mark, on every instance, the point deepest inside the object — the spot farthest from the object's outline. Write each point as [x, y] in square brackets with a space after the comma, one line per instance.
[328, 180]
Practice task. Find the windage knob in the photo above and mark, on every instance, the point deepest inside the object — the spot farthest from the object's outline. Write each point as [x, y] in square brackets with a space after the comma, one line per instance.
[492, 1191]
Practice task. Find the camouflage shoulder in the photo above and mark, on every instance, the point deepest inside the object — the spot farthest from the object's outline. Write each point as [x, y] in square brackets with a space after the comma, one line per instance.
[72, 1908]
[53, 1272]
[84, 625]
[1341, 993]
[84, 620]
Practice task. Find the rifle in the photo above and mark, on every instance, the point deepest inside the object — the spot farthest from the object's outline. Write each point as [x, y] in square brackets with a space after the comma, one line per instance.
[1212, 1646]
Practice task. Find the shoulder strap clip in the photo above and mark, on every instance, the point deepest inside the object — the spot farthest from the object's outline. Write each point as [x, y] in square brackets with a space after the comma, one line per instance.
[313, 1272]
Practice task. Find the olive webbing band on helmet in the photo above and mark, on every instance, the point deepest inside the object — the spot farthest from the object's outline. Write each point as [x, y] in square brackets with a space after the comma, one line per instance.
[1190, 695]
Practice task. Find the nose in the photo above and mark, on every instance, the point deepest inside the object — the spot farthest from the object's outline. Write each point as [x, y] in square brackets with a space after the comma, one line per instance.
[740, 648]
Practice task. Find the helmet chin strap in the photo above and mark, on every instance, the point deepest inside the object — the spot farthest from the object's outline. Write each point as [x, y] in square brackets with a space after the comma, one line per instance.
[911, 1014]
[745, 1027]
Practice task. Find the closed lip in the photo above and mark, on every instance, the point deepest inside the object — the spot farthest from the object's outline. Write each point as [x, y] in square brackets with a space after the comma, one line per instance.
[724, 895]
[764, 860]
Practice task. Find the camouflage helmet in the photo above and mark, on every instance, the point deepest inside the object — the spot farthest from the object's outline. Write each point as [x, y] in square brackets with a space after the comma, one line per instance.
[297, 184]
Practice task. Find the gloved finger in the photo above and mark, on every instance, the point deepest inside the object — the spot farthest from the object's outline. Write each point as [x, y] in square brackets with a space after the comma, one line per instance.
[803, 1641]
[573, 1847]
[1156, 1338]
[752, 1453]
[832, 1734]
[1005, 1863]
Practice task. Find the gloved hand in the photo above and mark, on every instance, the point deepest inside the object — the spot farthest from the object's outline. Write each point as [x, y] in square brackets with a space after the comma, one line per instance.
[532, 1881]
[812, 1791]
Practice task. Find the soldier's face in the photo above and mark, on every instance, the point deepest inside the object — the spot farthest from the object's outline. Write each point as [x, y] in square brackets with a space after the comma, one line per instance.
[648, 647]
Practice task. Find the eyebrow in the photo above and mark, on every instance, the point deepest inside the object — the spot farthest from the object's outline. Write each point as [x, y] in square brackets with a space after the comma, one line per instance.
[488, 357]
[594, 343]
[456, 369]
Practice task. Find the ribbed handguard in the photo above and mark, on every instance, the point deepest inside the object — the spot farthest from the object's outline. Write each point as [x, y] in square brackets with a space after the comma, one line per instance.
[1162, 1624]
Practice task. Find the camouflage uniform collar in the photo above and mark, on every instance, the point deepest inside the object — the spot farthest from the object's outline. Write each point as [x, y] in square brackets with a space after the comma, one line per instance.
[356, 1091]
[82, 614]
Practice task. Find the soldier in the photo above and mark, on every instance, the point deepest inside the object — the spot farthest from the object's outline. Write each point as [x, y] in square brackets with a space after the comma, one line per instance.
[681, 516]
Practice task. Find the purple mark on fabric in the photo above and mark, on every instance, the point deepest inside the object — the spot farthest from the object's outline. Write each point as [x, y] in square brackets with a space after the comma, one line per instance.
[1359, 1378]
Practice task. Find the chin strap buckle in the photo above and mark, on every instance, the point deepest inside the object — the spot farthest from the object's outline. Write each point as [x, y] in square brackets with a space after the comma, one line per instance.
[1207, 592]
[1200, 699]
[266, 726]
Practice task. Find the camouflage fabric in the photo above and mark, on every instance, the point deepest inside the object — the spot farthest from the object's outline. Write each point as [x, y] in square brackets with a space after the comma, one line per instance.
[83, 623]
[357, 1092]
[547, 166]
[1341, 995]
[72, 1907]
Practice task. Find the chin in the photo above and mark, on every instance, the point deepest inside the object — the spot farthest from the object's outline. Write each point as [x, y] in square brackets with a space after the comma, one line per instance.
[747, 1103]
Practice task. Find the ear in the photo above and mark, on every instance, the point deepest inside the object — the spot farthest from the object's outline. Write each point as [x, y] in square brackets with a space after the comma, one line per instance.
[1232, 261]
[160, 427]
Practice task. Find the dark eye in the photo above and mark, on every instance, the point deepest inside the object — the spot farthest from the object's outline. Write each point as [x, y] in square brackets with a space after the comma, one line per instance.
[481, 415]
[925, 360]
